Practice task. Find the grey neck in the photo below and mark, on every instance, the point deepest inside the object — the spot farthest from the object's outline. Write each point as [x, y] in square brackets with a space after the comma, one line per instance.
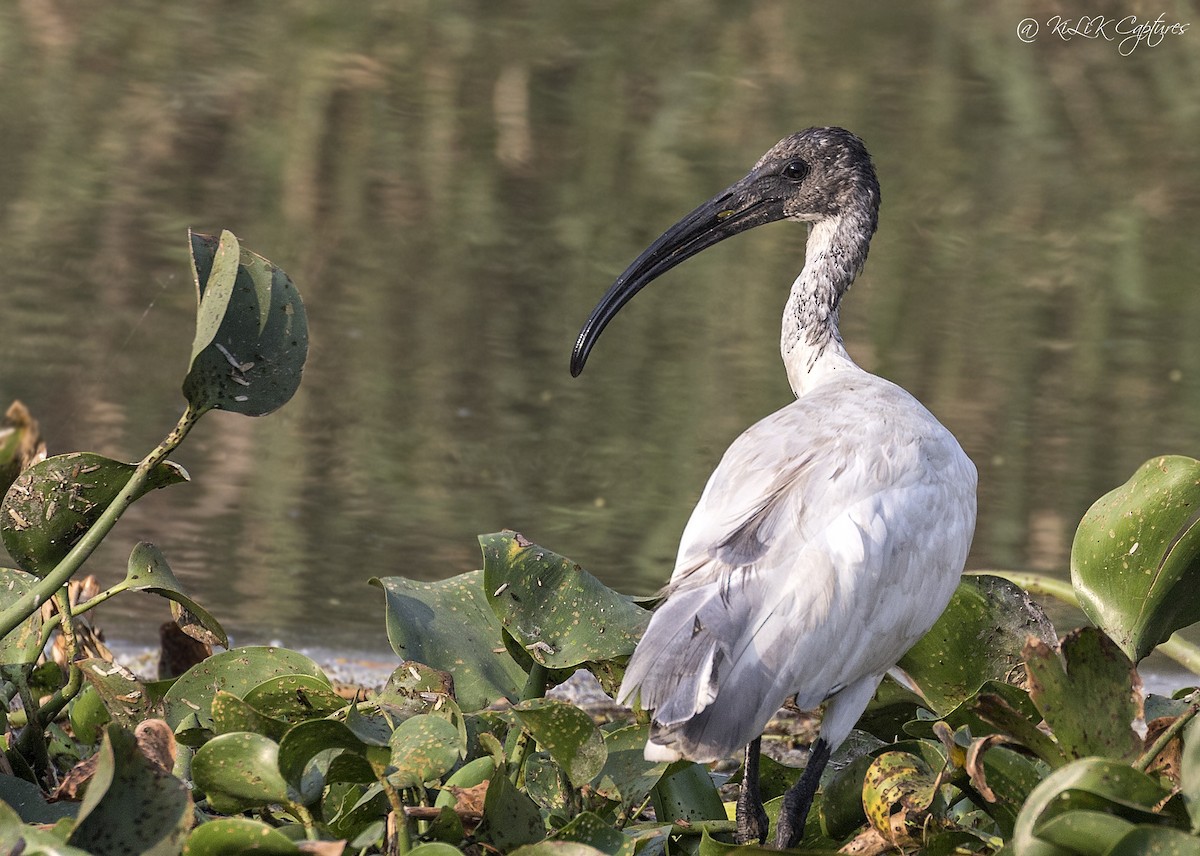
[810, 342]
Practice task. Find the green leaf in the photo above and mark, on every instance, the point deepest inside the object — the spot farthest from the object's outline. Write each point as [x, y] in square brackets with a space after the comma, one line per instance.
[510, 818]
[1084, 832]
[469, 775]
[122, 693]
[237, 671]
[88, 715]
[240, 771]
[52, 504]
[252, 362]
[424, 748]
[1189, 773]
[567, 734]
[131, 807]
[29, 802]
[978, 638]
[435, 848]
[230, 713]
[587, 828]
[1155, 841]
[1090, 784]
[553, 608]
[415, 688]
[213, 291]
[1009, 710]
[232, 836]
[686, 792]
[17, 837]
[547, 785]
[1135, 561]
[148, 571]
[627, 777]
[557, 848]
[294, 698]
[1090, 697]
[841, 806]
[448, 625]
[19, 647]
[1009, 776]
[306, 741]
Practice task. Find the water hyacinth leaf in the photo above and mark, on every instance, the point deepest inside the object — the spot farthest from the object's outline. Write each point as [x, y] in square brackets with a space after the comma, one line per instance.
[1082, 831]
[55, 502]
[237, 672]
[87, 715]
[131, 806]
[148, 571]
[424, 748]
[306, 741]
[587, 828]
[510, 817]
[20, 646]
[841, 806]
[627, 777]
[1090, 697]
[547, 784]
[567, 734]
[213, 290]
[435, 848]
[978, 638]
[1189, 773]
[1005, 777]
[17, 838]
[686, 792]
[29, 802]
[557, 848]
[230, 713]
[470, 775]
[233, 836]
[294, 698]
[240, 771]
[119, 689]
[898, 790]
[448, 625]
[446, 827]
[1135, 560]
[1091, 784]
[558, 612]
[415, 688]
[252, 363]
[1154, 841]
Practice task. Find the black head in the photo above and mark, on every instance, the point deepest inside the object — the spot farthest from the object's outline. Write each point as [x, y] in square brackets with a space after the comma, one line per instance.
[815, 175]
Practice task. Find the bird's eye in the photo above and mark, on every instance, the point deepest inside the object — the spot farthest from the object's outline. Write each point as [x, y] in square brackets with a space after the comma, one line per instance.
[796, 170]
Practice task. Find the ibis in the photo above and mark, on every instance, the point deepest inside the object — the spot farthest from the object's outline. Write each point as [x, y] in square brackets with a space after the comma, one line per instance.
[832, 533]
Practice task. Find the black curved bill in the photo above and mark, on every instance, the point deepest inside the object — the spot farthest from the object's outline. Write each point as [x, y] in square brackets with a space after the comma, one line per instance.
[732, 211]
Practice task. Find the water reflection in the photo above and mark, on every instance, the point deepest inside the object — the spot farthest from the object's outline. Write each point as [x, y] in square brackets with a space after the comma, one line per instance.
[453, 184]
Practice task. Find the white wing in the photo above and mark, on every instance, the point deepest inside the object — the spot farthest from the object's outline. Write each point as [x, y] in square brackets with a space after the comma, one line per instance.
[827, 541]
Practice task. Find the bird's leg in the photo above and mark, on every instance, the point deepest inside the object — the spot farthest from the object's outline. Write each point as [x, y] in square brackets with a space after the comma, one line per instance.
[751, 816]
[797, 801]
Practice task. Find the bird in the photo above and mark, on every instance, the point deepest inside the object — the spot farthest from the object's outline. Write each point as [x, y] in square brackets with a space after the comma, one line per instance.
[832, 533]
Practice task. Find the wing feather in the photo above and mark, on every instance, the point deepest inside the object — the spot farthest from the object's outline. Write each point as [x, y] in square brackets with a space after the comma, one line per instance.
[827, 541]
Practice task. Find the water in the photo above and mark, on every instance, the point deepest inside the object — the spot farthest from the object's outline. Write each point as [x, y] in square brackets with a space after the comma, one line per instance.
[453, 185]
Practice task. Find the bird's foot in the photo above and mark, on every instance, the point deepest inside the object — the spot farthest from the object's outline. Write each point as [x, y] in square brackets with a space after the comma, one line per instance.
[752, 824]
[793, 814]
[751, 816]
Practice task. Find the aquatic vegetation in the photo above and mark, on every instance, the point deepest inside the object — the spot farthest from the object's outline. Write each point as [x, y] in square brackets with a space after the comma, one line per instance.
[1002, 735]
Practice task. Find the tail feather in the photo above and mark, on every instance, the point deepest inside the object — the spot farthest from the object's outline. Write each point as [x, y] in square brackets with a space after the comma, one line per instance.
[693, 648]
